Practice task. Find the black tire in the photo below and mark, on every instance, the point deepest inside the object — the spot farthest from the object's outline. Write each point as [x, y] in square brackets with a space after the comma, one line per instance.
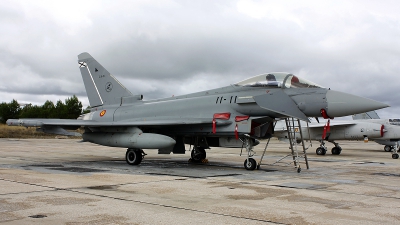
[198, 154]
[387, 148]
[395, 156]
[320, 151]
[251, 164]
[133, 156]
[336, 151]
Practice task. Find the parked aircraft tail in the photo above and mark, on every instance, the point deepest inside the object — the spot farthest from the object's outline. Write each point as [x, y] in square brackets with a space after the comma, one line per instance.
[366, 116]
[101, 87]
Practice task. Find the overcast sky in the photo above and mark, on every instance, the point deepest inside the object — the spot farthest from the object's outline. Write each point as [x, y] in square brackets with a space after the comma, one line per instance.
[165, 48]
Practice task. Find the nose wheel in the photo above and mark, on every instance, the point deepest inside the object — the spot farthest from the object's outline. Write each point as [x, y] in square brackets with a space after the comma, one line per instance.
[250, 164]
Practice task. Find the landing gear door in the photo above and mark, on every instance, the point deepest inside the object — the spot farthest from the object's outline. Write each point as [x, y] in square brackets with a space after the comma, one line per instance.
[262, 127]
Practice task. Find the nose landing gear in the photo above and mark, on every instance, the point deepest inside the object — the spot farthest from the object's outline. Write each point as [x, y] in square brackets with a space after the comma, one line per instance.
[249, 163]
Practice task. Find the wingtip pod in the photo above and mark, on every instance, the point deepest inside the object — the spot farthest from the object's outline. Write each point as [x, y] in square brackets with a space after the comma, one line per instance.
[10, 122]
[24, 122]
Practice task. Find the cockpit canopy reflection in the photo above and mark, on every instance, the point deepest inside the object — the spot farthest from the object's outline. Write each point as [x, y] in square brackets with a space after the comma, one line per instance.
[278, 80]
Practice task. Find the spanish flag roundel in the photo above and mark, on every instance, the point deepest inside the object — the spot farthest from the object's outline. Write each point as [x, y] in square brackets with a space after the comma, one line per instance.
[102, 113]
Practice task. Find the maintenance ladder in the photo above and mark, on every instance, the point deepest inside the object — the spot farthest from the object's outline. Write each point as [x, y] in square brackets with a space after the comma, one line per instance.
[293, 127]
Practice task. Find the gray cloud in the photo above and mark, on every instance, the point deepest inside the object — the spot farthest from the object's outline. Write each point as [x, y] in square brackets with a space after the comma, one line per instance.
[177, 47]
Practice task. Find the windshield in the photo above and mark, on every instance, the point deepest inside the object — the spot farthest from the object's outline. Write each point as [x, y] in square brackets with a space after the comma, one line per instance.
[279, 80]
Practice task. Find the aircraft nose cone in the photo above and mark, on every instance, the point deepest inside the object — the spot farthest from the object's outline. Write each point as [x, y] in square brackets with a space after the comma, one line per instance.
[343, 104]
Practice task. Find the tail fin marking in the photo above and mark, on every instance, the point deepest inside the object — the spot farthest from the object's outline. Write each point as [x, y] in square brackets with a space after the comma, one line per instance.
[93, 100]
[102, 88]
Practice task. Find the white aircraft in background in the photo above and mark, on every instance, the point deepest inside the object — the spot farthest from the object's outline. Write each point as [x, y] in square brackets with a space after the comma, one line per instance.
[390, 144]
[378, 130]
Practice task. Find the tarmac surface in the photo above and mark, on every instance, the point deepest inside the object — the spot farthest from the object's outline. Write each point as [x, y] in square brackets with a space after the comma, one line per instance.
[64, 181]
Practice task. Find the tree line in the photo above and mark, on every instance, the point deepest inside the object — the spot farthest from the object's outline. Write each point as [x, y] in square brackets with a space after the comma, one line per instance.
[71, 108]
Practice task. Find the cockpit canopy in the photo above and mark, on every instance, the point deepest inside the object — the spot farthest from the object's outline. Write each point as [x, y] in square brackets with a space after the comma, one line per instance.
[279, 80]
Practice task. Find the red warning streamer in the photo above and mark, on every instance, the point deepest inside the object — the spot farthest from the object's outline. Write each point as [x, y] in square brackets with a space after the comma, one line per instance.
[324, 133]
[236, 132]
[221, 116]
[327, 129]
[214, 129]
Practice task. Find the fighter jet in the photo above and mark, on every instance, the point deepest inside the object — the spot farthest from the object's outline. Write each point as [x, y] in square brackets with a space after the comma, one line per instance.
[391, 144]
[377, 130]
[232, 116]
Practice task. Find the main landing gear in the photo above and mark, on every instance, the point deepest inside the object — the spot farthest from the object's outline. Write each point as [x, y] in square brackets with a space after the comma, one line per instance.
[395, 155]
[322, 149]
[337, 149]
[393, 149]
[198, 154]
[134, 156]
[388, 148]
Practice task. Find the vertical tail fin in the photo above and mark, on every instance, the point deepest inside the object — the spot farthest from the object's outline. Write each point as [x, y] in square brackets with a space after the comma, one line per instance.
[101, 87]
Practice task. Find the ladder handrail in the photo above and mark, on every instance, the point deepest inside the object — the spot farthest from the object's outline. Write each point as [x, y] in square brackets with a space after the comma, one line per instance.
[291, 127]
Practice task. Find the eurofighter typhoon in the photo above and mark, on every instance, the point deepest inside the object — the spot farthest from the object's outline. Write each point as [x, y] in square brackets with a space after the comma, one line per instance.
[232, 116]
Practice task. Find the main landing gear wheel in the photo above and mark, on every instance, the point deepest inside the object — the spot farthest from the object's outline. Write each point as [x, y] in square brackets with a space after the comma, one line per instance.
[321, 151]
[336, 150]
[395, 156]
[134, 156]
[250, 164]
[198, 154]
[387, 148]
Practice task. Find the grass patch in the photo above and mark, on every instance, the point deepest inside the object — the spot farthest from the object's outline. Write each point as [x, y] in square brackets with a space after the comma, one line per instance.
[30, 132]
